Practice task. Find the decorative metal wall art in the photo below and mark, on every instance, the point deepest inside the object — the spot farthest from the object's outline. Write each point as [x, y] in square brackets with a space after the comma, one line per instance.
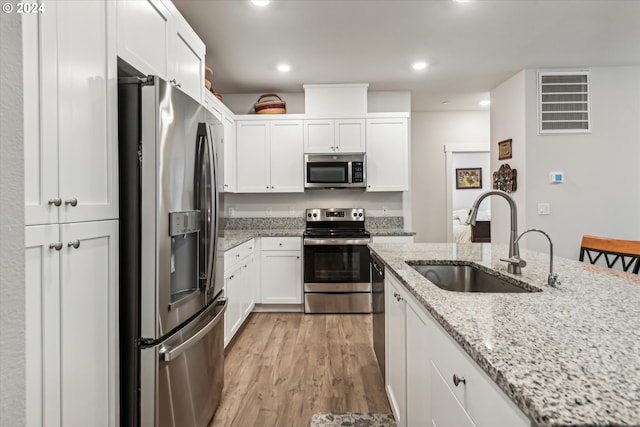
[505, 179]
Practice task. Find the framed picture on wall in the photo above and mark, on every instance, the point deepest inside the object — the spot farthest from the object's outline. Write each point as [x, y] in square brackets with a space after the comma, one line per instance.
[468, 178]
[504, 149]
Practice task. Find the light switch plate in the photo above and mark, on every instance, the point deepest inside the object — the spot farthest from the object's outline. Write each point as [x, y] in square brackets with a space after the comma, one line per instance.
[544, 209]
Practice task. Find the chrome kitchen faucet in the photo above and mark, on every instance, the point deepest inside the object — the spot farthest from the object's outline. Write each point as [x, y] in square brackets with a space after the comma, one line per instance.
[515, 263]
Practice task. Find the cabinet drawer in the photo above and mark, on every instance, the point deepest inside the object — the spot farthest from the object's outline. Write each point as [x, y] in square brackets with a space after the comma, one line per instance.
[483, 400]
[280, 243]
[238, 253]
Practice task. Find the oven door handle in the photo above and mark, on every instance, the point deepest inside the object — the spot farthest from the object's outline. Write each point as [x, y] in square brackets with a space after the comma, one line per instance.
[333, 242]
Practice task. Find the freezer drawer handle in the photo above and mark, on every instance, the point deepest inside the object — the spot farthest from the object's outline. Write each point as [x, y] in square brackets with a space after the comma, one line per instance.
[169, 354]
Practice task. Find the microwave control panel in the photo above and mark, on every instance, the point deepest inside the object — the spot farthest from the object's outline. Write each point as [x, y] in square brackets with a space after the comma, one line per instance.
[357, 172]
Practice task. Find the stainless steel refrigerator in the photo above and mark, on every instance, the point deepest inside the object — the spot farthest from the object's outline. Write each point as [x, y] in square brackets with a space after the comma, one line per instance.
[171, 256]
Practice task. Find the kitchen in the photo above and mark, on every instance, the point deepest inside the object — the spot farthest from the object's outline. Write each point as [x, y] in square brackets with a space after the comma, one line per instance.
[573, 209]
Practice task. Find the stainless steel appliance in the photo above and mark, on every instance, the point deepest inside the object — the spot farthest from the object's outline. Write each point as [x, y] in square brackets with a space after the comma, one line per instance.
[377, 308]
[337, 271]
[171, 262]
[334, 171]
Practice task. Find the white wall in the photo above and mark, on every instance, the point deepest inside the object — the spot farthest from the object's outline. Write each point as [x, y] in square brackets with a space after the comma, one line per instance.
[294, 204]
[12, 310]
[430, 131]
[601, 193]
[463, 198]
[508, 122]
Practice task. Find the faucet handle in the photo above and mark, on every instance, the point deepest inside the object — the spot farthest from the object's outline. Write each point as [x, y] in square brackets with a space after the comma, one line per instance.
[553, 280]
[515, 260]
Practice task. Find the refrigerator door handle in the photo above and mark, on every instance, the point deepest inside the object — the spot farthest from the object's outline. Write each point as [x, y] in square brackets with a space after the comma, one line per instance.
[167, 354]
[212, 207]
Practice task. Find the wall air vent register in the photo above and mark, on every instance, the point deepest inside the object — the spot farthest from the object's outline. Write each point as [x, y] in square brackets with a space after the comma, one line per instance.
[563, 102]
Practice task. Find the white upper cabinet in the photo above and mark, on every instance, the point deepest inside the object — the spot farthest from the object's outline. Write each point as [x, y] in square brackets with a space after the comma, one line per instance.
[145, 50]
[186, 57]
[155, 39]
[387, 154]
[334, 136]
[269, 156]
[229, 154]
[71, 109]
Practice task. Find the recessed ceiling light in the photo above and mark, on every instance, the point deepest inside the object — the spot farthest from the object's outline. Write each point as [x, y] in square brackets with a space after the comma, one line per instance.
[419, 65]
[284, 68]
[260, 2]
[485, 102]
[461, 1]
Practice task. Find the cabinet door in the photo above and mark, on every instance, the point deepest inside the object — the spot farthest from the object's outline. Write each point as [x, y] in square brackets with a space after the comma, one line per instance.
[248, 286]
[186, 58]
[88, 323]
[252, 140]
[350, 135]
[287, 173]
[233, 314]
[319, 136]
[145, 50]
[40, 118]
[229, 144]
[42, 293]
[281, 277]
[447, 411]
[395, 350]
[87, 109]
[387, 155]
[417, 345]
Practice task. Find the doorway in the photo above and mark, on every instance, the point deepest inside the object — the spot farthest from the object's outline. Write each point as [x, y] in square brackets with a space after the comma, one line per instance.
[467, 159]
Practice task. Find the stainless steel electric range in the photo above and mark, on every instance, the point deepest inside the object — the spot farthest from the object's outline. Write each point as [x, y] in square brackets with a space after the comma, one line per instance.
[337, 263]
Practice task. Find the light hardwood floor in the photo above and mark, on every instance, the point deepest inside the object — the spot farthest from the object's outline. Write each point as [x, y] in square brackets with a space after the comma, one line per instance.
[284, 367]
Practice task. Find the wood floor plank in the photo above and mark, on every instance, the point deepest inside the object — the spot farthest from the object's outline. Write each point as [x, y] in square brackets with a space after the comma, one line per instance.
[284, 367]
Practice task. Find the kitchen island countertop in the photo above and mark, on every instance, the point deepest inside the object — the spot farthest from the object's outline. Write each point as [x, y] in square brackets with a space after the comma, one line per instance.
[567, 356]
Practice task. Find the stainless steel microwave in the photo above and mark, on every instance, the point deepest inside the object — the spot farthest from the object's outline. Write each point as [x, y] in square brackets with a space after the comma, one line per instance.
[334, 171]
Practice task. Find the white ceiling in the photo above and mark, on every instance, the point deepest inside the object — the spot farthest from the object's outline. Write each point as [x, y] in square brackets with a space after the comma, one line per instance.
[470, 47]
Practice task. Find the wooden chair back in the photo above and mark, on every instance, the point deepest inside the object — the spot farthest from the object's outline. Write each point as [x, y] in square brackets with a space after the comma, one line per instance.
[614, 250]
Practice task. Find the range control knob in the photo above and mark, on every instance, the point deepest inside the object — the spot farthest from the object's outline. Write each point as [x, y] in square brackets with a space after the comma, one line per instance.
[355, 214]
[360, 214]
[309, 215]
[315, 215]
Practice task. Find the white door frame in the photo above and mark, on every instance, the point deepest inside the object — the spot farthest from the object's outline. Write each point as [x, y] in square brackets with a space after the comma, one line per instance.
[449, 150]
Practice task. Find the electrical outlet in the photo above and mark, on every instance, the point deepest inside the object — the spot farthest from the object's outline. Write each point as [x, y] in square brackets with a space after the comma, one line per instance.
[385, 211]
[232, 212]
[292, 210]
[268, 211]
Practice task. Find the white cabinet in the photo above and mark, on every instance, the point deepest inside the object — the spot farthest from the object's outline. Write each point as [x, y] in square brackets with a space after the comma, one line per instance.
[148, 50]
[71, 324]
[430, 380]
[229, 143]
[167, 47]
[395, 378]
[334, 136]
[239, 287]
[387, 154]
[281, 277]
[70, 113]
[226, 117]
[186, 56]
[269, 156]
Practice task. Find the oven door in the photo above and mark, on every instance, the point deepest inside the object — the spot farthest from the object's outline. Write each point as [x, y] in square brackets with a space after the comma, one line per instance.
[337, 265]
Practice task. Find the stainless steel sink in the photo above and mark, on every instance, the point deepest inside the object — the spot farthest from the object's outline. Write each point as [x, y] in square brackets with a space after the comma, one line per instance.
[466, 278]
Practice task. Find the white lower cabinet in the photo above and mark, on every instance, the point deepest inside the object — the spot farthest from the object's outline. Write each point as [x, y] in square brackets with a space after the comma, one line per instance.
[423, 366]
[281, 278]
[239, 284]
[71, 324]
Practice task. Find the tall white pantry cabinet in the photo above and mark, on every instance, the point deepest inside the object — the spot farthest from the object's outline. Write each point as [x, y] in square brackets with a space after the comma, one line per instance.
[70, 113]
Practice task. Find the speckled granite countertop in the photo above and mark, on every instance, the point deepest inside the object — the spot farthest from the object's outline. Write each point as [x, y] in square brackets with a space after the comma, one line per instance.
[567, 356]
[390, 232]
[233, 238]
